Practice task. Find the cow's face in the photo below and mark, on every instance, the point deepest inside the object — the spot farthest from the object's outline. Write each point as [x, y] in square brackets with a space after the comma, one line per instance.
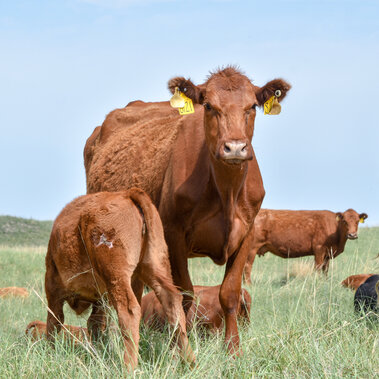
[230, 102]
[349, 221]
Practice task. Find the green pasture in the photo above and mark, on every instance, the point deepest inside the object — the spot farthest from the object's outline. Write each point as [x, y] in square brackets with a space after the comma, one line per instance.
[302, 325]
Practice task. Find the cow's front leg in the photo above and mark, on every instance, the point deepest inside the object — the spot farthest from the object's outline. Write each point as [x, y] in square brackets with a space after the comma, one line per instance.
[230, 293]
[179, 266]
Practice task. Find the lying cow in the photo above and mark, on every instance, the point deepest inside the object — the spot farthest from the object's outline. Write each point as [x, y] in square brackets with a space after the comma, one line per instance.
[354, 281]
[293, 234]
[205, 310]
[366, 298]
[37, 330]
[14, 291]
[101, 243]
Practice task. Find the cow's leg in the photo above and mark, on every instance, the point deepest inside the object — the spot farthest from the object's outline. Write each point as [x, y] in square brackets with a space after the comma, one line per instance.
[55, 301]
[230, 293]
[96, 322]
[137, 285]
[248, 266]
[157, 275]
[128, 311]
[320, 256]
[179, 266]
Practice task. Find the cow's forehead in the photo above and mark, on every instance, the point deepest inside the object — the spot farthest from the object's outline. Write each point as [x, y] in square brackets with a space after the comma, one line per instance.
[351, 213]
[241, 96]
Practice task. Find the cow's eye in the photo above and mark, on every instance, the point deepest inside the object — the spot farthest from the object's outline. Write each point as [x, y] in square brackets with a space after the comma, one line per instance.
[207, 106]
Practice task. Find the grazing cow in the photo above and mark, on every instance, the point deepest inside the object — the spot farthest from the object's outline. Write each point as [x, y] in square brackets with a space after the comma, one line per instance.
[37, 329]
[354, 281]
[199, 169]
[293, 234]
[99, 244]
[14, 291]
[205, 311]
[366, 297]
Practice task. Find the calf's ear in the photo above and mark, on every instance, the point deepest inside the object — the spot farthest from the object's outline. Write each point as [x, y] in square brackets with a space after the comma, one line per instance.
[339, 216]
[195, 93]
[272, 88]
[362, 217]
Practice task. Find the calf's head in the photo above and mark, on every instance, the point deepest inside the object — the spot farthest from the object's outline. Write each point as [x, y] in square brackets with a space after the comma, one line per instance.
[230, 101]
[348, 222]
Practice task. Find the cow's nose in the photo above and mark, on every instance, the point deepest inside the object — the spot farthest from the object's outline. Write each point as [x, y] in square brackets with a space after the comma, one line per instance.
[235, 150]
[352, 236]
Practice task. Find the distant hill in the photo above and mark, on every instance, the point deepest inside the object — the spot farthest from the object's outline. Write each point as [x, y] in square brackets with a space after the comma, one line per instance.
[17, 231]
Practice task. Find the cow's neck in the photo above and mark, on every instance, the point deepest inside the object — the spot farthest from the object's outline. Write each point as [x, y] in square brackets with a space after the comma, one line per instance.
[341, 232]
[228, 180]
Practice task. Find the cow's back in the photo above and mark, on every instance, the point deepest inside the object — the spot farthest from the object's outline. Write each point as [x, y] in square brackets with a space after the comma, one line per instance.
[132, 148]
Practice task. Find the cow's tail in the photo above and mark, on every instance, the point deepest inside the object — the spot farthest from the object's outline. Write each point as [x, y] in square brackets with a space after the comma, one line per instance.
[152, 228]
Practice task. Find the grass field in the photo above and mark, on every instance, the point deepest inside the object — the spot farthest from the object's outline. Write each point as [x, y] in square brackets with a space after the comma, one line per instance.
[303, 325]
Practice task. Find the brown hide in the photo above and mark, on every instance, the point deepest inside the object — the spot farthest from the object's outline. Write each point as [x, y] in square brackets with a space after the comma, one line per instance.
[14, 291]
[110, 243]
[205, 310]
[293, 234]
[354, 281]
[37, 330]
[199, 169]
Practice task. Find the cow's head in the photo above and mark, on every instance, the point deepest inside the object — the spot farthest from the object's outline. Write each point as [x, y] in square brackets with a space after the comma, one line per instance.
[230, 101]
[348, 222]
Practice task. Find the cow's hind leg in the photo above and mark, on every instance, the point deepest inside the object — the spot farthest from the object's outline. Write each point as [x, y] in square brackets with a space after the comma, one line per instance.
[129, 315]
[156, 274]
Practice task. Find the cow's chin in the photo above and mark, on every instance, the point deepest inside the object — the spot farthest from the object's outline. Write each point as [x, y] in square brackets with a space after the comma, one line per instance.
[234, 162]
[352, 238]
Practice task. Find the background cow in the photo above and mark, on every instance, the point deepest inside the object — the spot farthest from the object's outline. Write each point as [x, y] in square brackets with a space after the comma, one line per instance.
[98, 243]
[199, 169]
[205, 310]
[14, 291]
[293, 234]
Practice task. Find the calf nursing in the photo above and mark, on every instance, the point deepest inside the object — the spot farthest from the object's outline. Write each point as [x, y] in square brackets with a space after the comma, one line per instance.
[105, 243]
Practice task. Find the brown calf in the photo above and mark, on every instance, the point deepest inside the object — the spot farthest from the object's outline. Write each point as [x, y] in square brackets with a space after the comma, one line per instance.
[354, 281]
[37, 329]
[293, 234]
[205, 310]
[199, 169]
[101, 244]
[14, 291]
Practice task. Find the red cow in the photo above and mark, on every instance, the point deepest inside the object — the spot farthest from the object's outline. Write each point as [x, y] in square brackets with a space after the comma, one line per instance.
[293, 234]
[199, 169]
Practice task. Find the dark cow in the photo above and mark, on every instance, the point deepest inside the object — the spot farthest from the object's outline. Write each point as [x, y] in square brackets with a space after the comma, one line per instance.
[100, 243]
[293, 234]
[205, 310]
[354, 281]
[199, 169]
[366, 297]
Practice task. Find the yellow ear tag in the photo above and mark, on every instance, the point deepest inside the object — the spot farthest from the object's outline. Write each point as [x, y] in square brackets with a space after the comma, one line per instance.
[361, 220]
[188, 105]
[177, 101]
[272, 106]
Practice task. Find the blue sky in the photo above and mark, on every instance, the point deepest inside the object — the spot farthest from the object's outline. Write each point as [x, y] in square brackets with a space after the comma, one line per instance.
[65, 64]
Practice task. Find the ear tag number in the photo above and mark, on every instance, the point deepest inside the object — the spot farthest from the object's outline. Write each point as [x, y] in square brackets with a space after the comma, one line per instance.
[188, 105]
[361, 220]
[183, 103]
[272, 106]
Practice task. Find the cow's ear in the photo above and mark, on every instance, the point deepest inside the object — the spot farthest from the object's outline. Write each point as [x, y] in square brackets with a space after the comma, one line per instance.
[339, 216]
[195, 93]
[362, 217]
[277, 87]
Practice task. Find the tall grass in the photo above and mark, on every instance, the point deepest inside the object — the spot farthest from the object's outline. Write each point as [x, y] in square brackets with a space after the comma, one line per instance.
[303, 325]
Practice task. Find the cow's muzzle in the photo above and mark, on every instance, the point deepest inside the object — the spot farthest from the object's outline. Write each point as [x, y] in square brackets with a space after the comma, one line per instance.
[235, 152]
[352, 236]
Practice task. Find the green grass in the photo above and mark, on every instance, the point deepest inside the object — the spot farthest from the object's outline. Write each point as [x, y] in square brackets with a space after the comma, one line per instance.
[303, 325]
[24, 232]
